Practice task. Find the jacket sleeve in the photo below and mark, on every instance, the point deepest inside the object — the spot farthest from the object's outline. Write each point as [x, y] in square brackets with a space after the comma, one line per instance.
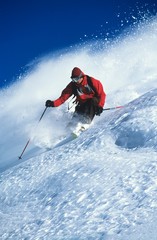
[66, 93]
[99, 91]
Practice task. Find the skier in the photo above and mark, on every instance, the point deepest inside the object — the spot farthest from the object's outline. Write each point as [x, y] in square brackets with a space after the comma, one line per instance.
[90, 96]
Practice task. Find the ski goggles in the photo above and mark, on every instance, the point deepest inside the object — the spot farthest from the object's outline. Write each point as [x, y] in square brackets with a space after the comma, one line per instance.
[76, 79]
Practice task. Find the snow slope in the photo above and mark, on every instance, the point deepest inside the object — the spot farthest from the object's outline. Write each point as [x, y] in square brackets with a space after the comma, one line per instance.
[102, 185]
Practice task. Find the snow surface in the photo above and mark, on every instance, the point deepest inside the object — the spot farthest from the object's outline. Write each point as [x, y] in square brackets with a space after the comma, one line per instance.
[102, 185]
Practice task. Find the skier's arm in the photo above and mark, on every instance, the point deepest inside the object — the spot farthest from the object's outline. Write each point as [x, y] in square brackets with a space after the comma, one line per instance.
[66, 93]
[100, 92]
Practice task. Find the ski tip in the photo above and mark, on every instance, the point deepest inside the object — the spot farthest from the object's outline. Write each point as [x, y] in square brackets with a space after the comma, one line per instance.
[74, 135]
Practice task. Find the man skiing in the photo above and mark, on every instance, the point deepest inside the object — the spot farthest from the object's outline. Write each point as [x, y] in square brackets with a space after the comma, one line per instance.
[90, 96]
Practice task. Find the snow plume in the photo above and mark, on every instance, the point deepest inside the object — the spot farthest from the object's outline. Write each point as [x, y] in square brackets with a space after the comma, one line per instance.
[101, 185]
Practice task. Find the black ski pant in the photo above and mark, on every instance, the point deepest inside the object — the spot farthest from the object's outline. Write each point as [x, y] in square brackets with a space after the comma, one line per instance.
[88, 108]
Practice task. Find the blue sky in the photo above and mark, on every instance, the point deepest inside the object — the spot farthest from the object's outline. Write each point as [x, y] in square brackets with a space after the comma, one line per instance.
[30, 29]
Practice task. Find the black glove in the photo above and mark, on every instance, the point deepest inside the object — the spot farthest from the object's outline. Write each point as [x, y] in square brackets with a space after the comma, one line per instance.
[49, 103]
[98, 111]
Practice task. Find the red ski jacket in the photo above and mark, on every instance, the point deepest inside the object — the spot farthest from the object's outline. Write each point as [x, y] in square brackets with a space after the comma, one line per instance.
[84, 92]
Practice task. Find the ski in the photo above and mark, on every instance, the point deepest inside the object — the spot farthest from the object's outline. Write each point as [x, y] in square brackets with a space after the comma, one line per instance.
[66, 140]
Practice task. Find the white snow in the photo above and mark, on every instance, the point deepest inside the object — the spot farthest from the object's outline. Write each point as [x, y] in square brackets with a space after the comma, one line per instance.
[102, 185]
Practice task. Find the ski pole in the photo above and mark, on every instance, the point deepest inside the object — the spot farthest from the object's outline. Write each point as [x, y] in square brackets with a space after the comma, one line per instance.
[20, 157]
[111, 108]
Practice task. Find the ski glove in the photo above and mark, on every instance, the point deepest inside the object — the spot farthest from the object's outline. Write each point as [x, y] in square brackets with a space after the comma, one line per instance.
[98, 111]
[49, 103]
